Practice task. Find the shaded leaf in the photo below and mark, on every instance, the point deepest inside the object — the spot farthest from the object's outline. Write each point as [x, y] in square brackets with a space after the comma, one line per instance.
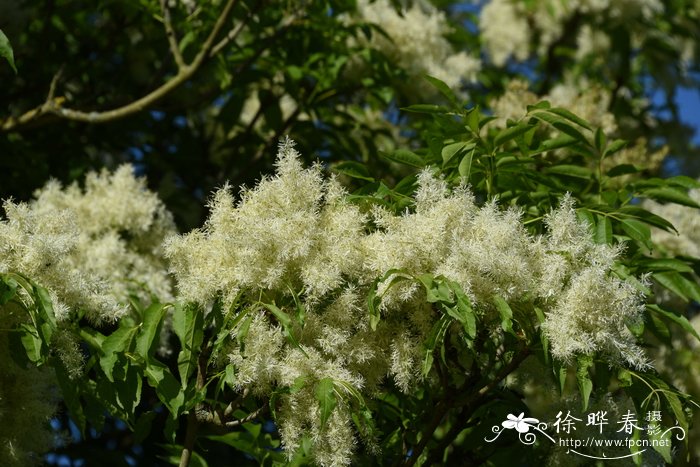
[325, 395]
[6, 50]
[677, 318]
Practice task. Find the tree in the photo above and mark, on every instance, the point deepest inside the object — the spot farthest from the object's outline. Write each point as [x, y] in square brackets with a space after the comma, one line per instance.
[483, 236]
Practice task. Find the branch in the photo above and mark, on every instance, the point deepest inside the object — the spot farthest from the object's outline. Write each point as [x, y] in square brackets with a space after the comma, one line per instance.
[172, 38]
[190, 438]
[192, 419]
[440, 411]
[470, 402]
[248, 418]
[184, 73]
[233, 33]
[218, 418]
[472, 399]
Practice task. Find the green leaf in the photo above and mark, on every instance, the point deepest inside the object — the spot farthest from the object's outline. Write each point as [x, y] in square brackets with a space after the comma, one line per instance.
[679, 319]
[661, 441]
[658, 327]
[637, 231]
[6, 50]
[676, 283]
[541, 105]
[113, 346]
[325, 395]
[8, 289]
[683, 181]
[45, 307]
[404, 156]
[294, 72]
[426, 109]
[466, 311]
[373, 299]
[511, 133]
[603, 231]
[167, 388]
[583, 378]
[286, 322]
[561, 125]
[507, 160]
[444, 89]
[94, 339]
[435, 289]
[449, 151]
[435, 338]
[672, 399]
[148, 335]
[672, 195]
[354, 170]
[560, 371]
[373, 305]
[465, 165]
[505, 312]
[32, 343]
[571, 171]
[601, 140]
[473, 119]
[646, 216]
[189, 328]
[175, 452]
[623, 169]
[560, 141]
[186, 40]
[664, 264]
[143, 426]
[614, 147]
[572, 117]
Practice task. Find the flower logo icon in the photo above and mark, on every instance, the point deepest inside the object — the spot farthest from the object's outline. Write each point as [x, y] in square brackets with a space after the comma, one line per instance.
[520, 423]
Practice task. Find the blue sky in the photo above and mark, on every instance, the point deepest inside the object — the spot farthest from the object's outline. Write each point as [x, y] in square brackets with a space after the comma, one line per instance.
[688, 101]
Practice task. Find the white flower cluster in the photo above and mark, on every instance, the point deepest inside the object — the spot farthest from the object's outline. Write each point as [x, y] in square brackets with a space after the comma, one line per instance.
[516, 28]
[417, 42]
[92, 247]
[121, 227]
[295, 231]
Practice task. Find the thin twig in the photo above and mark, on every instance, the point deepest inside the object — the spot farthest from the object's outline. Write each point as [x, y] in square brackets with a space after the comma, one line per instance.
[248, 418]
[172, 37]
[184, 74]
[54, 83]
[233, 33]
